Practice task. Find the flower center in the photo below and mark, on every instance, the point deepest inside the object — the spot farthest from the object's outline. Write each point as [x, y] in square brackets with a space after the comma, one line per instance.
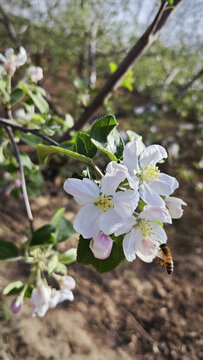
[150, 173]
[146, 229]
[104, 202]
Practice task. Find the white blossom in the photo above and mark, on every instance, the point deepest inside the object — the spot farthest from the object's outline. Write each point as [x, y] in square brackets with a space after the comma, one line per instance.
[103, 209]
[174, 206]
[40, 300]
[11, 61]
[59, 296]
[145, 234]
[35, 73]
[143, 174]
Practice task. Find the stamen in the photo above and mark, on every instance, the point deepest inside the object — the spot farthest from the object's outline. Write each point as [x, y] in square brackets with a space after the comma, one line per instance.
[146, 229]
[150, 173]
[104, 202]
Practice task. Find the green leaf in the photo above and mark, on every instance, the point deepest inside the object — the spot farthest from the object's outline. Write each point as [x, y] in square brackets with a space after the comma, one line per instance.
[43, 236]
[44, 151]
[104, 135]
[28, 291]
[128, 80]
[64, 228]
[68, 257]
[31, 139]
[8, 250]
[16, 96]
[81, 144]
[36, 94]
[13, 288]
[52, 264]
[113, 66]
[86, 257]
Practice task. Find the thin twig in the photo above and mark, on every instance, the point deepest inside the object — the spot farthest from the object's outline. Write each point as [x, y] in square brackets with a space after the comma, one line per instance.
[22, 176]
[5, 123]
[133, 55]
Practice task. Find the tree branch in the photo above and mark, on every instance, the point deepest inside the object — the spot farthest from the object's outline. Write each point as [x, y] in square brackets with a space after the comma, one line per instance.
[185, 87]
[6, 122]
[24, 189]
[93, 74]
[133, 55]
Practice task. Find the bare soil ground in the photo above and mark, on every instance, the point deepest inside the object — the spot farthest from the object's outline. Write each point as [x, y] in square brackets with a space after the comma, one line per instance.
[135, 312]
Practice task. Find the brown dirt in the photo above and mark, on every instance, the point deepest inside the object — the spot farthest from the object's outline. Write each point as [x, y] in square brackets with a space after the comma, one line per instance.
[135, 312]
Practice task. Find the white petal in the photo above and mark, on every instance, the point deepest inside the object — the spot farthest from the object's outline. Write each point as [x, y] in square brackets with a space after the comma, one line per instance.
[109, 222]
[126, 226]
[9, 53]
[149, 196]
[133, 181]
[130, 156]
[115, 174]
[159, 214]
[101, 246]
[86, 221]
[174, 206]
[125, 202]
[164, 185]
[131, 243]
[21, 58]
[151, 155]
[160, 236]
[58, 296]
[146, 251]
[84, 191]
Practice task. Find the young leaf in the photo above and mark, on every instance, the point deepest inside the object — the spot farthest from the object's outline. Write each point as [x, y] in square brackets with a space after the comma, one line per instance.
[44, 151]
[61, 269]
[8, 250]
[43, 236]
[86, 257]
[36, 94]
[81, 144]
[13, 288]
[16, 96]
[68, 257]
[64, 228]
[104, 135]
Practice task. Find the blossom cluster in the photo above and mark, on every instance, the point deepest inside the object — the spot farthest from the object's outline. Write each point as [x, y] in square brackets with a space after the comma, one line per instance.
[132, 199]
[44, 297]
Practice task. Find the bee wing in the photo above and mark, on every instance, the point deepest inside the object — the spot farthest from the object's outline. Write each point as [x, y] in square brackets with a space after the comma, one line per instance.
[158, 253]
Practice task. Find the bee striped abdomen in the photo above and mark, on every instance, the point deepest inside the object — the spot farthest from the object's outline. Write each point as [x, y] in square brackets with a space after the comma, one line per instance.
[166, 258]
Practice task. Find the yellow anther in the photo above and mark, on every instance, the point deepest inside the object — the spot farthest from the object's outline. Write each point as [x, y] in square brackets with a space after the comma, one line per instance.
[146, 229]
[104, 202]
[150, 173]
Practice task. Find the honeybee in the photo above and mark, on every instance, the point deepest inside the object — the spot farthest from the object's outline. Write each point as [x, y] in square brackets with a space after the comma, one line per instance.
[164, 257]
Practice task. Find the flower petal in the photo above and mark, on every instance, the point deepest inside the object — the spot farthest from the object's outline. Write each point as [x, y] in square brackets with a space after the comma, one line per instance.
[131, 243]
[84, 191]
[125, 202]
[115, 174]
[110, 221]
[125, 226]
[149, 196]
[21, 58]
[101, 246]
[146, 251]
[133, 181]
[9, 53]
[159, 236]
[2, 58]
[86, 221]
[130, 156]
[174, 206]
[164, 185]
[153, 213]
[151, 155]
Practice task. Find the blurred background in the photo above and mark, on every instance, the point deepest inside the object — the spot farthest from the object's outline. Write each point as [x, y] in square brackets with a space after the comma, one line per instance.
[137, 311]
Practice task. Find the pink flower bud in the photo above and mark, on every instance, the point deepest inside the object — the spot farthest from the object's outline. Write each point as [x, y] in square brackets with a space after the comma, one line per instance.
[10, 67]
[35, 73]
[67, 283]
[101, 246]
[6, 175]
[16, 305]
[17, 183]
[21, 197]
